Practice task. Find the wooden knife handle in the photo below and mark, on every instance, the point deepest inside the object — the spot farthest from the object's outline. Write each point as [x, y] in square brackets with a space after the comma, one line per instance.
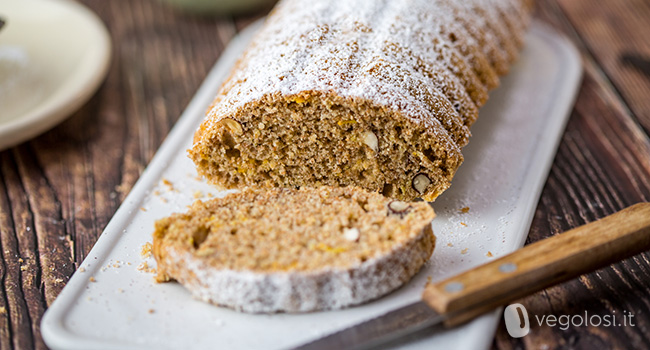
[542, 264]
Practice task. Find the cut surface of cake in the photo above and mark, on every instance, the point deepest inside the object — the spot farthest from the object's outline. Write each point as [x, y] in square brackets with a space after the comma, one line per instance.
[288, 250]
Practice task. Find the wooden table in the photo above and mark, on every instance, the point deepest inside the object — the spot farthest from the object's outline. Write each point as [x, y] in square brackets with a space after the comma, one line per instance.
[58, 191]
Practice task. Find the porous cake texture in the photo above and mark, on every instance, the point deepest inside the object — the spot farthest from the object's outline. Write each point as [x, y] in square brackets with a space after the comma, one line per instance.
[272, 250]
[378, 94]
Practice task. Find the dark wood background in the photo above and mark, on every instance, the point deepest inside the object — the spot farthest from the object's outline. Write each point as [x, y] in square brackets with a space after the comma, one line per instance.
[58, 191]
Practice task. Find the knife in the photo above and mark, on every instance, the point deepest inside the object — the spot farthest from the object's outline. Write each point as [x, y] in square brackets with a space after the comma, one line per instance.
[463, 297]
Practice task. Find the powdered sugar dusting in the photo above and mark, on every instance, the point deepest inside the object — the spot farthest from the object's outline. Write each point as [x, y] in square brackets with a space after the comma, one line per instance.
[392, 53]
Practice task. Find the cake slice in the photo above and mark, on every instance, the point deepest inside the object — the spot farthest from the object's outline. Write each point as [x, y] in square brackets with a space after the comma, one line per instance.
[288, 250]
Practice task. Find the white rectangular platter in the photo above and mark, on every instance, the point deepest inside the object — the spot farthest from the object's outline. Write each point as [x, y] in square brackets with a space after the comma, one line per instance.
[111, 304]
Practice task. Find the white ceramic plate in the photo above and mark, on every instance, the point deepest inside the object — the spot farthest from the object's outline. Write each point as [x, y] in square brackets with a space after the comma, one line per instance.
[53, 56]
[507, 162]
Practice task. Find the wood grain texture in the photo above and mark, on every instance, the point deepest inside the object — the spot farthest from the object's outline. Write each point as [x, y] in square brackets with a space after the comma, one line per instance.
[58, 191]
[616, 34]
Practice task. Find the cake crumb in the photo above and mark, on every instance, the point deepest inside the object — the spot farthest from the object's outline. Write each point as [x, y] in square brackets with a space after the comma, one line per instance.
[3, 310]
[169, 184]
[144, 267]
[489, 254]
[82, 269]
[145, 251]
[58, 280]
[143, 209]
[464, 210]
[23, 268]
[20, 260]
[449, 245]
[464, 251]
[463, 223]
[120, 290]
[151, 311]
[92, 279]
[198, 194]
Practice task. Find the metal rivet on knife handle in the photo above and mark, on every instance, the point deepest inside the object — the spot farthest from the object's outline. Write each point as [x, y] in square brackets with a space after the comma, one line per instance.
[454, 287]
[508, 267]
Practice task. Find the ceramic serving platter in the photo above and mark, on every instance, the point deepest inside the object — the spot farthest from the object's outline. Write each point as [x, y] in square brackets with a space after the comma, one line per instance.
[112, 302]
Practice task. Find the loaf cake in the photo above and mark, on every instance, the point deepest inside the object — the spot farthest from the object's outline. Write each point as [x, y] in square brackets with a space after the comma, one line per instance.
[273, 250]
[377, 94]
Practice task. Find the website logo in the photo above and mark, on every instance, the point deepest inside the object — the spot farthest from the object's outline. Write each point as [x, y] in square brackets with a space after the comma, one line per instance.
[517, 322]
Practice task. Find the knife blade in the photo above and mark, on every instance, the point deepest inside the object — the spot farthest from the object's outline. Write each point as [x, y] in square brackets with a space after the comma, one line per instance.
[545, 263]
[382, 329]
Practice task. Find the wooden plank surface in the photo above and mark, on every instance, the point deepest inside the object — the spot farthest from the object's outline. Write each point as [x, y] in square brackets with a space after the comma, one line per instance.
[58, 191]
[616, 33]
